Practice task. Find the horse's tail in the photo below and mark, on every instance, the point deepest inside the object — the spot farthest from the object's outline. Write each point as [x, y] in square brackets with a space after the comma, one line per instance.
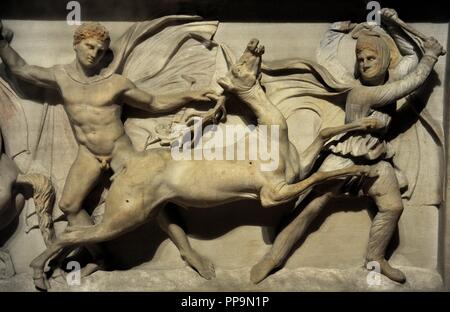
[44, 198]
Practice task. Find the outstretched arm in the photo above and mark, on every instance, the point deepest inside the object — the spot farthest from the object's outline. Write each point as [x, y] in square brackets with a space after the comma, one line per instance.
[40, 76]
[164, 103]
[378, 96]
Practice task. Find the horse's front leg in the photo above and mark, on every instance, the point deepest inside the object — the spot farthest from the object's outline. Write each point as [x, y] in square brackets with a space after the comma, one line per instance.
[309, 156]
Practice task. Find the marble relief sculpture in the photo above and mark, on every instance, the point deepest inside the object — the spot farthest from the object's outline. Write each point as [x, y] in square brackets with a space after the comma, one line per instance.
[124, 100]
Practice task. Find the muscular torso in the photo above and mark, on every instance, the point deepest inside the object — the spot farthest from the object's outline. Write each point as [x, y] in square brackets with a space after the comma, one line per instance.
[94, 110]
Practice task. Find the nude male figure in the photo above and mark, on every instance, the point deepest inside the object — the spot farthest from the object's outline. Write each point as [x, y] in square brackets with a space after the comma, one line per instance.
[93, 103]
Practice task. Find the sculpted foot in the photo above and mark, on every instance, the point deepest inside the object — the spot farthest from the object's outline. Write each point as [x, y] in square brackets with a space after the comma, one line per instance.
[262, 269]
[91, 268]
[392, 273]
[201, 264]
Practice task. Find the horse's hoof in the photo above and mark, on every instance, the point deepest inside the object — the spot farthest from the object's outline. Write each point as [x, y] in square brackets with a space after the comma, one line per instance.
[208, 272]
[261, 270]
[201, 264]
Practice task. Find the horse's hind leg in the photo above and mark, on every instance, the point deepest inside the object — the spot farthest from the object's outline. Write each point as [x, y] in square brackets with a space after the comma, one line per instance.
[200, 263]
[76, 237]
[272, 195]
[126, 209]
[309, 156]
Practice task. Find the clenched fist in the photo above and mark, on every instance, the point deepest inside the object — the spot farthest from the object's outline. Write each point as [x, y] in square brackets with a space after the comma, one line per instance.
[433, 47]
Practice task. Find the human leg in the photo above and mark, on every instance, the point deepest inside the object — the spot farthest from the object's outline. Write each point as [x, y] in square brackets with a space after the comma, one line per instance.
[385, 192]
[82, 178]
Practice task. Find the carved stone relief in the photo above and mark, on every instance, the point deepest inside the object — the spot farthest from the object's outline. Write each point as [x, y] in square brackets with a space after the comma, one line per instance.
[325, 158]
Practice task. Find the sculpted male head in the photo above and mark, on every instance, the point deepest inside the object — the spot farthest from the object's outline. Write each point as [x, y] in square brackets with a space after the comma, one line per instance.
[90, 41]
[373, 59]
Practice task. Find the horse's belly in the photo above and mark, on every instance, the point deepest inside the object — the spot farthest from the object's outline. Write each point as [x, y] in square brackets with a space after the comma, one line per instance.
[205, 183]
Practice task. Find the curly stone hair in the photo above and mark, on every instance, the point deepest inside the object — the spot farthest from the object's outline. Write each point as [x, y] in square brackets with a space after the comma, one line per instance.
[91, 30]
